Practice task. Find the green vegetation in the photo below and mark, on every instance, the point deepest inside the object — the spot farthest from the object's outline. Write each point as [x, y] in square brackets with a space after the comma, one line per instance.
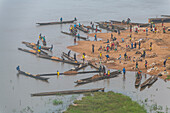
[102, 102]
[57, 102]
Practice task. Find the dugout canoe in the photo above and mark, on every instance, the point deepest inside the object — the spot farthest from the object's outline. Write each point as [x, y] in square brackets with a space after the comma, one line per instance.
[67, 92]
[68, 57]
[91, 28]
[159, 20]
[71, 34]
[35, 48]
[132, 23]
[154, 79]
[33, 76]
[165, 15]
[82, 29]
[33, 44]
[93, 79]
[138, 80]
[51, 23]
[106, 28]
[49, 57]
[146, 82]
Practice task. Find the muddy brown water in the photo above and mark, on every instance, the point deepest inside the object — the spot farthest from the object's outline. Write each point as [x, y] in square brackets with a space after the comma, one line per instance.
[18, 18]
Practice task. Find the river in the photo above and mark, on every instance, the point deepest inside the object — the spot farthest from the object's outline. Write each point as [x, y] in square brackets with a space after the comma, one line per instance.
[18, 18]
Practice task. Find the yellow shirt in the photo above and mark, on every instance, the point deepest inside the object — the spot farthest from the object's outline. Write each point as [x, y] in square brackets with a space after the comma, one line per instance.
[58, 73]
[83, 56]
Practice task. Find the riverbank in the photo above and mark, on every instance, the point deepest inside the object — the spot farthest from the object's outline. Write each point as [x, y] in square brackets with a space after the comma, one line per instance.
[155, 57]
[101, 102]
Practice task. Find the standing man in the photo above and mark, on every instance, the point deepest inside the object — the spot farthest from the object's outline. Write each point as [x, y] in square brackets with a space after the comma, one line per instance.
[75, 56]
[146, 63]
[61, 19]
[139, 44]
[83, 57]
[146, 31]
[164, 29]
[124, 71]
[95, 37]
[92, 48]
[165, 62]
[136, 65]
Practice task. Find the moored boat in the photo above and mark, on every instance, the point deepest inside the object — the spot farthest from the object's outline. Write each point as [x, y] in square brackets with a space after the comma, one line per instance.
[51, 23]
[33, 76]
[138, 80]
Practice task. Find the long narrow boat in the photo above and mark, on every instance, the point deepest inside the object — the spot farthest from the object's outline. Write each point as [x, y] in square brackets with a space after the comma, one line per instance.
[106, 28]
[33, 44]
[82, 29]
[51, 23]
[146, 82]
[154, 79]
[138, 80]
[165, 15]
[159, 20]
[68, 57]
[93, 79]
[132, 23]
[49, 57]
[35, 48]
[33, 76]
[89, 27]
[67, 92]
[71, 34]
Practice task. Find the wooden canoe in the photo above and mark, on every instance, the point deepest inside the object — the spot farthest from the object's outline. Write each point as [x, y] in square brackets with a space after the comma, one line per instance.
[35, 48]
[67, 92]
[33, 44]
[71, 34]
[92, 79]
[146, 82]
[51, 23]
[49, 57]
[91, 28]
[165, 15]
[138, 80]
[68, 57]
[154, 79]
[159, 20]
[132, 23]
[33, 76]
[82, 29]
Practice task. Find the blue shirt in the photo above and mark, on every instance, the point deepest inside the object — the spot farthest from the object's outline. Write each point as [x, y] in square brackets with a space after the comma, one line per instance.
[124, 70]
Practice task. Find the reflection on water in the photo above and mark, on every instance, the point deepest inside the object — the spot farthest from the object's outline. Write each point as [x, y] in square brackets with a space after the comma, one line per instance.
[18, 18]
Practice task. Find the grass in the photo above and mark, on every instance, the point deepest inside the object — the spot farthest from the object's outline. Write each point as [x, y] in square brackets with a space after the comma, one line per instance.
[102, 102]
[57, 102]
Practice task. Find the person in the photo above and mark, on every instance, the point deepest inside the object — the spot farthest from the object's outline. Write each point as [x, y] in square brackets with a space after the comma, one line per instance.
[104, 70]
[95, 37]
[165, 62]
[108, 73]
[130, 28]
[39, 51]
[75, 19]
[61, 19]
[69, 53]
[164, 29]
[139, 44]
[144, 53]
[75, 56]
[128, 20]
[107, 56]
[79, 24]
[139, 74]
[58, 73]
[100, 55]
[146, 31]
[146, 63]
[74, 40]
[18, 68]
[124, 71]
[115, 47]
[119, 58]
[118, 32]
[150, 46]
[125, 55]
[92, 48]
[111, 36]
[51, 47]
[107, 48]
[38, 42]
[136, 65]
[132, 45]
[78, 36]
[39, 47]
[92, 26]
[135, 45]
[155, 29]
[83, 58]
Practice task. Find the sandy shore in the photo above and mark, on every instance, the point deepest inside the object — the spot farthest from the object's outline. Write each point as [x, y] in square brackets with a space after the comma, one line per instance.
[160, 47]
